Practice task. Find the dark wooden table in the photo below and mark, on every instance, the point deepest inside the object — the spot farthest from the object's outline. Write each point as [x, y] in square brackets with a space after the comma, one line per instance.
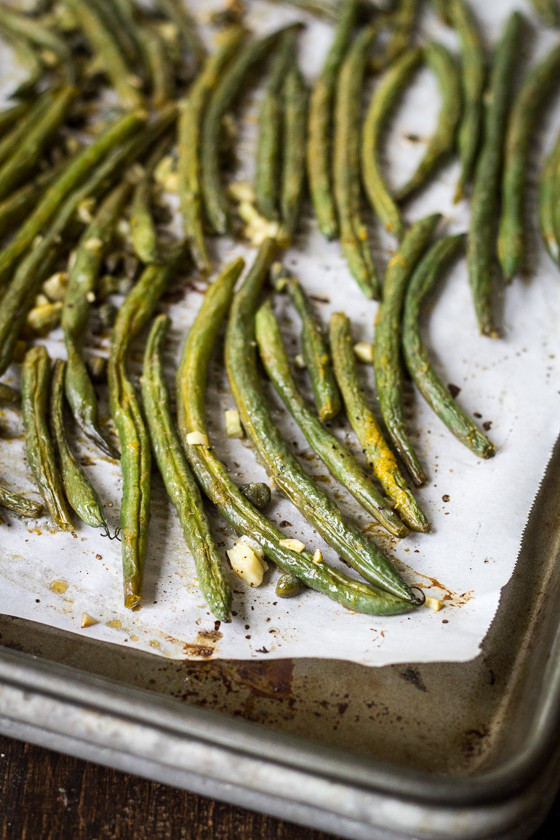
[48, 796]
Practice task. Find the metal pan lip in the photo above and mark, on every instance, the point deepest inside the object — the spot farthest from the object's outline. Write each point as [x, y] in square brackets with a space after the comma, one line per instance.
[73, 689]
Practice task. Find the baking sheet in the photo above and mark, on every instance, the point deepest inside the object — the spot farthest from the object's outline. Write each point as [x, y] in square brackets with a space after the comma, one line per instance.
[478, 509]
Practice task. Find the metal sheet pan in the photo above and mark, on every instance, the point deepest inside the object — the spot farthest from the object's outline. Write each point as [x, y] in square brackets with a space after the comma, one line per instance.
[438, 750]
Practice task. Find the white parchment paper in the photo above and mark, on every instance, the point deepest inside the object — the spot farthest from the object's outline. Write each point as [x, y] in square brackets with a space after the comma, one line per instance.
[478, 509]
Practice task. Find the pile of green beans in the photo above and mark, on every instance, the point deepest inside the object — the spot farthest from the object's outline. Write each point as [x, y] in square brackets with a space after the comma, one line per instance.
[85, 214]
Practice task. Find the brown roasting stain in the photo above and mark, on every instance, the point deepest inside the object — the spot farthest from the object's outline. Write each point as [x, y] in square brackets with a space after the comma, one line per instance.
[271, 678]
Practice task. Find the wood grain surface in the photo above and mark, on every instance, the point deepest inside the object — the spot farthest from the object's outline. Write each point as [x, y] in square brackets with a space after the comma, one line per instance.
[48, 796]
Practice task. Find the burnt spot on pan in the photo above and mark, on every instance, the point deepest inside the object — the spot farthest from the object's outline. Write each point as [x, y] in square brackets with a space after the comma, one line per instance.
[412, 675]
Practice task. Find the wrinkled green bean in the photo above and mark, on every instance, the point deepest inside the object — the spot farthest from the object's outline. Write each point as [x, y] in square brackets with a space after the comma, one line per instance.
[179, 481]
[382, 102]
[338, 460]
[314, 346]
[486, 189]
[401, 24]
[18, 205]
[417, 360]
[521, 128]
[11, 141]
[81, 496]
[346, 168]
[548, 11]
[191, 114]
[366, 427]
[241, 364]
[42, 36]
[293, 146]
[177, 11]
[19, 504]
[549, 201]
[8, 395]
[160, 68]
[35, 378]
[442, 141]
[320, 128]
[387, 340]
[143, 232]
[214, 478]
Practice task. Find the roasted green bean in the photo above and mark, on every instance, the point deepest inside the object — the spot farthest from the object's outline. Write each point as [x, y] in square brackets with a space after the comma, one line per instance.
[106, 45]
[191, 114]
[267, 179]
[442, 10]
[83, 276]
[11, 116]
[241, 364]
[366, 427]
[214, 478]
[134, 314]
[442, 141]
[485, 195]
[548, 11]
[294, 97]
[382, 102]
[42, 36]
[315, 7]
[143, 232]
[549, 192]
[160, 69]
[320, 128]
[346, 168]
[177, 11]
[229, 87]
[81, 496]
[76, 172]
[179, 481]
[8, 395]
[25, 157]
[473, 81]
[537, 87]
[11, 141]
[35, 377]
[339, 461]
[18, 205]
[387, 340]
[401, 27]
[19, 504]
[314, 346]
[417, 360]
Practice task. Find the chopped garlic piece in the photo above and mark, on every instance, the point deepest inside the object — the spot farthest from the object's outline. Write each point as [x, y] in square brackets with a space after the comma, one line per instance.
[55, 286]
[433, 603]
[85, 210]
[246, 564]
[364, 352]
[88, 620]
[292, 545]
[233, 424]
[241, 191]
[41, 300]
[317, 556]
[93, 244]
[299, 361]
[197, 439]
[254, 546]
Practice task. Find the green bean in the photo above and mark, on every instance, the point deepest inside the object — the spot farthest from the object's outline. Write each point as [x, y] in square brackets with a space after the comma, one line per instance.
[13, 139]
[338, 460]
[213, 475]
[186, 25]
[473, 81]
[120, 29]
[416, 357]
[82, 282]
[228, 89]
[485, 196]
[134, 314]
[442, 10]
[320, 128]
[279, 461]
[159, 66]
[288, 586]
[143, 232]
[80, 494]
[537, 87]
[42, 36]
[401, 24]
[107, 48]
[11, 116]
[8, 395]
[294, 96]
[34, 268]
[267, 179]
[179, 481]
[73, 175]
[548, 11]
[366, 427]
[315, 7]
[24, 159]
[314, 347]
[549, 192]
[442, 141]
[29, 57]
[17, 206]
[346, 165]
[35, 377]
[382, 102]
[191, 113]
[19, 504]
[387, 340]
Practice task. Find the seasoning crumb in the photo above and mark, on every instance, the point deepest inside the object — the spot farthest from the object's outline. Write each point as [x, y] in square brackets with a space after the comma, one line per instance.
[446, 498]
[454, 390]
